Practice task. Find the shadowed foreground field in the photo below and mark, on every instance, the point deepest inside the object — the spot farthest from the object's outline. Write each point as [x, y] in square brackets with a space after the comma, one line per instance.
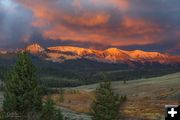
[146, 97]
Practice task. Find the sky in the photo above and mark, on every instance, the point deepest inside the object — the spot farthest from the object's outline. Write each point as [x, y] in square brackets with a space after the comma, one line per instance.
[150, 25]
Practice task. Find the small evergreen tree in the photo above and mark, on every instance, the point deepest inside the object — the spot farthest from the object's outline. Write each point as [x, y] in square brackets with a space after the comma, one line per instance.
[58, 115]
[49, 111]
[106, 104]
[22, 94]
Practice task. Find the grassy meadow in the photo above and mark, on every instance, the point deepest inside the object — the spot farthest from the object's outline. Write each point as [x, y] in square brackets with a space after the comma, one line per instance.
[146, 97]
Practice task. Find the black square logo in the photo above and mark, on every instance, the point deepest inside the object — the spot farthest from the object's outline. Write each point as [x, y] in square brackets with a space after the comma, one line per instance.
[172, 112]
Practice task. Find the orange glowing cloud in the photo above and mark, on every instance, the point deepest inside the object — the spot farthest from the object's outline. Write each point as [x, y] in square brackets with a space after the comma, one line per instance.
[139, 26]
[87, 19]
[120, 4]
[84, 23]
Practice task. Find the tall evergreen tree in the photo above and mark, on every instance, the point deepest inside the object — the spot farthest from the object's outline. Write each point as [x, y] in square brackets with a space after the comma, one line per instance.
[22, 94]
[106, 104]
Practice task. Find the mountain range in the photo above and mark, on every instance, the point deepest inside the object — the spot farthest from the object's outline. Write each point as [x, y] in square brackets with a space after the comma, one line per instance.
[77, 66]
[110, 55]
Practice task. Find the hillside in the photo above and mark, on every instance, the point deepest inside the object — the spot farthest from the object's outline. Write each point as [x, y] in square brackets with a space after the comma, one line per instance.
[146, 97]
[84, 71]
[150, 87]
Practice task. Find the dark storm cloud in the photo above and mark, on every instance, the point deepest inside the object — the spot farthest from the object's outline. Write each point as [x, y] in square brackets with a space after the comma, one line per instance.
[15, 22]
[163, 12]
[141, 24]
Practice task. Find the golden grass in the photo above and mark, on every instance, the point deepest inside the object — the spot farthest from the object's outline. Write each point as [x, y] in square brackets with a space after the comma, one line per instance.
[79, 102]
[142, 108]
[146, 98]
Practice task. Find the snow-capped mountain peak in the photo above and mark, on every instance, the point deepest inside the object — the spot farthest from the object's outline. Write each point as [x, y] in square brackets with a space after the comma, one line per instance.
[110, 55]
[34, 48]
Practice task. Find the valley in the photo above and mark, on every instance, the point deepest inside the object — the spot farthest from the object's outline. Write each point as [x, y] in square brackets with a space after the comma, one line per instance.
[89, 59]
[71, 73]
[152, 79]
[81, 66]
[146, 97]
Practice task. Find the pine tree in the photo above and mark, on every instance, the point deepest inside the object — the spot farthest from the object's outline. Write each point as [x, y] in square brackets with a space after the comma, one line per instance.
[49, 112]
[58, 115]
[106, 104]
[22, 94]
